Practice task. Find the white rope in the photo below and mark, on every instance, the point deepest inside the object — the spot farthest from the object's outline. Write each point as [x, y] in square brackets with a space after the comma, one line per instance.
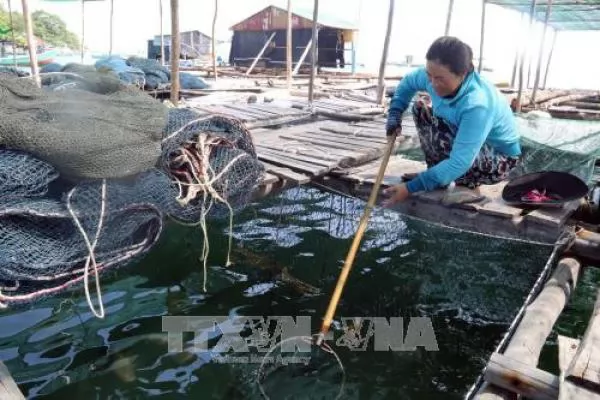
[91, 247]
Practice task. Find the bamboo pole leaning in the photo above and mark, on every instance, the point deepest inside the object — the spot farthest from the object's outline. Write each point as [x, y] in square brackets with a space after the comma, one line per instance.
[384, 55]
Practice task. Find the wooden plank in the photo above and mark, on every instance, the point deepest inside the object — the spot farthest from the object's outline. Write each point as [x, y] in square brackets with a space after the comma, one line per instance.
[553, 216]
[305, 151]
[584, 369]
[340, 139]
[530, 336]
[8, 387]
[286, 173]
[380, 138]
[293, 164]
[296, 156]
[327, 143]
[518, 377]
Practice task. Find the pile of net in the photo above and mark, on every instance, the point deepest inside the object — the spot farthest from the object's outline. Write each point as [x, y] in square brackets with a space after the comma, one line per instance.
[87, 178]
[141, 72]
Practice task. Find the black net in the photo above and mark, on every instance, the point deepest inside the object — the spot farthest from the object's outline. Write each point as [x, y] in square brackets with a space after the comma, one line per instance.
[86, 180]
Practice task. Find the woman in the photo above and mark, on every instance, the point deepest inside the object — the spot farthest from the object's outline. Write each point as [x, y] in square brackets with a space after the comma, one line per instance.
[466, 129]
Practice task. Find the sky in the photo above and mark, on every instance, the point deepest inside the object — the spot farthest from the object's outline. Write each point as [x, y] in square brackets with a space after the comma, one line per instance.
[415, 25]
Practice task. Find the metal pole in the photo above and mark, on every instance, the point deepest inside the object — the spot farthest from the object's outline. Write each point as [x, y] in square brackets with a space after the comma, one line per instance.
[549, 58]
[386, 45]
[449, 17]
[175, 51]
[288, 45]
[313, 54]
[521, 78]
[539, 61]
[482, 36]
[35, 72]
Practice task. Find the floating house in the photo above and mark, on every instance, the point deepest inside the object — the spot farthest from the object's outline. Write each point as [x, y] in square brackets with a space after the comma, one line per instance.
[194, 45]
[336, 39]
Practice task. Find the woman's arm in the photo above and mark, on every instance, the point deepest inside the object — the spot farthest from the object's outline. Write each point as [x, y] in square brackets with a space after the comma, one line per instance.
[475, 124]
[405, 91]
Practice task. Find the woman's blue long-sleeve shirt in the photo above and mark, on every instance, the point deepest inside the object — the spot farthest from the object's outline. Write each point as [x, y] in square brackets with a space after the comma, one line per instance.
[478, 113]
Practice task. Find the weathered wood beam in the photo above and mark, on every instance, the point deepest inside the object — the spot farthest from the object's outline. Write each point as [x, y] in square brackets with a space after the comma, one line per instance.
[214, 40]
[482, 36]
[313, 52]
[536, 83]
[523, 54]
[288, 46]
[530, 336]
[175, 52]
[449, 17]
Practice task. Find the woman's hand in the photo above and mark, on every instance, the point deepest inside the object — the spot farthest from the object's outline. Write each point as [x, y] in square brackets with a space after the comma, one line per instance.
[396, 194]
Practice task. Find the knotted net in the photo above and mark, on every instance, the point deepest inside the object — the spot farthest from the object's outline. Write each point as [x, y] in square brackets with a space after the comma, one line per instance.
[88, 173]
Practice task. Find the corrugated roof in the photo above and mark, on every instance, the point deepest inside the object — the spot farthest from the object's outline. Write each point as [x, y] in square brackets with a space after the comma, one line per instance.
[565, 15]
[323, 18]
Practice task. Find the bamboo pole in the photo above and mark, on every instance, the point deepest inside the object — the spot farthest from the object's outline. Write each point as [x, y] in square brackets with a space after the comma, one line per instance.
[82, 29]
[541, 52]
[12, 31]
[110, 46]
[288, 45]
[555, 34]
[482, 36]
[521, 78]
[214, 40]
[313, 52]
[35, 71]
[175, 51]
[384, 55]
[162, 36]
[449, 17]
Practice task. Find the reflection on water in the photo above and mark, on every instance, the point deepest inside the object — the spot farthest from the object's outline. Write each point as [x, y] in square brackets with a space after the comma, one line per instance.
[470, 286]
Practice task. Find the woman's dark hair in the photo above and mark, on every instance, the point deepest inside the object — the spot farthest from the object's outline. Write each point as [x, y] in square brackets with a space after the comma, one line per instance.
[451, 52]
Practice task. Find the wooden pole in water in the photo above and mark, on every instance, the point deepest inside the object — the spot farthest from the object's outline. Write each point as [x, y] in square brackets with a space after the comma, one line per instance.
[449, 17]
[12, 31]
[110, 46]
[214, 40]
[555, 34]
[541, 52]
[362, 227]
[31, 45]
[82, 29]
[313, 54]
[175, 51]
[521, 78]
[288, 46]
[384, 55]
[162, 36]
[482, 36]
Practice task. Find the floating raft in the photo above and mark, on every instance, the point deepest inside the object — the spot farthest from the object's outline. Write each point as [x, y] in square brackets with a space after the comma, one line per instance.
[489, 216]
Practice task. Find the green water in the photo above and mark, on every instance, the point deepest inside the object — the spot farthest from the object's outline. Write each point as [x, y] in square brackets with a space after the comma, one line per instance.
[470, 286]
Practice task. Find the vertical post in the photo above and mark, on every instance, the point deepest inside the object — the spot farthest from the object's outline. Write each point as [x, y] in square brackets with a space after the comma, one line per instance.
[482, 36]
[521, 78]
[35, 72]
[162, 36]
[539, 61]
[313, 54]
[449, 17]
[513, 78]
[214, 40]
[110, 46]
[386, 46]
[82, 29]
[12, 31]
[175, 51]
[353, 50]
[288, 45]
[549, 58]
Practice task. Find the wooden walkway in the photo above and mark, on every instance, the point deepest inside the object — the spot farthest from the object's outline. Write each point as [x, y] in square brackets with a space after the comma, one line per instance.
[8, 388]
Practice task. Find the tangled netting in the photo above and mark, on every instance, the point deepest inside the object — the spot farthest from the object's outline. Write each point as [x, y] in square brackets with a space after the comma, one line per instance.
[86, 180]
